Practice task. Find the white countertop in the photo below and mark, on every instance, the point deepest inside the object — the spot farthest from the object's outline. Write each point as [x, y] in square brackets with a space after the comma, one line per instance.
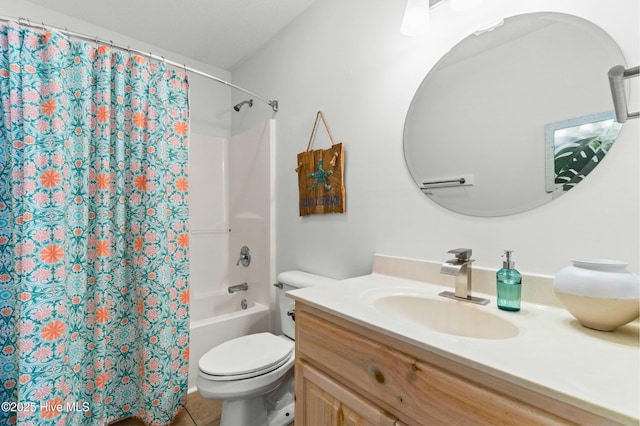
[552, 354]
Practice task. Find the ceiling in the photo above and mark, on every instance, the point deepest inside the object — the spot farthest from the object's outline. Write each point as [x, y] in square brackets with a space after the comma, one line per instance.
[217, 32]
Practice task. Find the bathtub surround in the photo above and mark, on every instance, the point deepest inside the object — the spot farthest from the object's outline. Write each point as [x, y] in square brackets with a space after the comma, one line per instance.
[238, 198]
[231, 207]
[251, 174]
[95, 233]
[208, 218]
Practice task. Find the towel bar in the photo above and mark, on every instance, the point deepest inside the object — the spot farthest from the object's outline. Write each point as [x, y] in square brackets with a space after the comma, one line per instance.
[617, 75]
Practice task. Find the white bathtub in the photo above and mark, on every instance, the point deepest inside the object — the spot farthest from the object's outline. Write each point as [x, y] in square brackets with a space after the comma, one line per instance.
[217, 318]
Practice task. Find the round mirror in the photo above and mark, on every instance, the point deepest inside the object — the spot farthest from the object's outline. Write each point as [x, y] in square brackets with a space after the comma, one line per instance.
[515, 116]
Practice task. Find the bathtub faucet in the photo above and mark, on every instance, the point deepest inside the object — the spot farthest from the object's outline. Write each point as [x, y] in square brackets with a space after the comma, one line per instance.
[239, 287]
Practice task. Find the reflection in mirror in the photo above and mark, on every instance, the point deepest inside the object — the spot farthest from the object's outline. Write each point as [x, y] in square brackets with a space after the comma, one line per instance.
[575, 147]
[478, 119]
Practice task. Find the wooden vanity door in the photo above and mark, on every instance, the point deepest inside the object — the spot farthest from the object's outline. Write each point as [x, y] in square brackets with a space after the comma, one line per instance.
[322, 401]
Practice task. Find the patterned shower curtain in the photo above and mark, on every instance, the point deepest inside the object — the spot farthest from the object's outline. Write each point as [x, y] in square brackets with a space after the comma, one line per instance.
[93, 233]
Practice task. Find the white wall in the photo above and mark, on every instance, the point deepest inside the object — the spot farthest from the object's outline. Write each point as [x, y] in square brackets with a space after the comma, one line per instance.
[348, 59]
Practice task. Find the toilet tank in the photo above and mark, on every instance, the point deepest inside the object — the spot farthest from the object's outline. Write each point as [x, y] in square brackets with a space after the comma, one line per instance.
[293, 280]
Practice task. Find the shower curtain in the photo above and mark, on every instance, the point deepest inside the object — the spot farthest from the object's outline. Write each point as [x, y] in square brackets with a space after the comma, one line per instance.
[93, 233]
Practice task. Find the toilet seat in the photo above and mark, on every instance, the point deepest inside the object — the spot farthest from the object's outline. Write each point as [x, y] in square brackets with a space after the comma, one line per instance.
[246, 357]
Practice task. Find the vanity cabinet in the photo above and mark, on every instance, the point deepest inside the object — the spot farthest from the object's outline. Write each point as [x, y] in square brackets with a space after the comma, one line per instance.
[347, 374]
[327, 402]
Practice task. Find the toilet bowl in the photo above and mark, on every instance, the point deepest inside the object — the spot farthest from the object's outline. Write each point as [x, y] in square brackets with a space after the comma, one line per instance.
[253, 374]
[243, 372]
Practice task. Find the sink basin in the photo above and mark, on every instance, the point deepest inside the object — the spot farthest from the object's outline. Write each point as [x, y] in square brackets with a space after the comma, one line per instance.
[447, 316]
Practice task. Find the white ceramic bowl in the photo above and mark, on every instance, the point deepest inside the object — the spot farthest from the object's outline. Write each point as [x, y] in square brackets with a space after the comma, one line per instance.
[600, 293]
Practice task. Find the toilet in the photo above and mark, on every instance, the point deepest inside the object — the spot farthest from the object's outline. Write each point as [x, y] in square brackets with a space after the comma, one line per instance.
[253, 374]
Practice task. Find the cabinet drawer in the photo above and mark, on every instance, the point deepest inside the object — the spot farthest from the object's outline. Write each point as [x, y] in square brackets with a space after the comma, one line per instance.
[327, 402]
[415, 391]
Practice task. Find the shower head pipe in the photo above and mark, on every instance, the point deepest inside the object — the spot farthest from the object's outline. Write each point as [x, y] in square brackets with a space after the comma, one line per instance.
[238, 106]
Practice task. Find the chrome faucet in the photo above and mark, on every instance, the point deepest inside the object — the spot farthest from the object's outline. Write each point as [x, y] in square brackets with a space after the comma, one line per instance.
[460, 267]
[245, 257]
[239, 287]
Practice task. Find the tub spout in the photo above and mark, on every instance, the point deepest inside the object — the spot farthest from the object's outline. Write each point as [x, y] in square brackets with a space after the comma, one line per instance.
[239, 287]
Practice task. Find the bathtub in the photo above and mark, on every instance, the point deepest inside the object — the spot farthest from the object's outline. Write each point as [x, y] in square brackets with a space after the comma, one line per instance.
[219, 317]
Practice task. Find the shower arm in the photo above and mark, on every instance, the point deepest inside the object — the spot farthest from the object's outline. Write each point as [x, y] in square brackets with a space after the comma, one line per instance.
[26, 22]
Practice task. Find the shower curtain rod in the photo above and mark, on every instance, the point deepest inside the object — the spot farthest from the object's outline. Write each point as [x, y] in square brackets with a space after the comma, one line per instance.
[26, 22]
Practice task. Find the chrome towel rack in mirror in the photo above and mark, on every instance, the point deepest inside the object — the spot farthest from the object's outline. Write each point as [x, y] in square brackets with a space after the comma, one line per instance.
[446, 182]
[617, 75]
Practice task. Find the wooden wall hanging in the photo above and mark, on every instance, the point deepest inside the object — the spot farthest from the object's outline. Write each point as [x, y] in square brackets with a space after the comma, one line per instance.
[321, 176]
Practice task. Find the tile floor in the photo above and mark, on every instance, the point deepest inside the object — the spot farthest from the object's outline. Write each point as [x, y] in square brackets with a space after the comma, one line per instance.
[199, 412]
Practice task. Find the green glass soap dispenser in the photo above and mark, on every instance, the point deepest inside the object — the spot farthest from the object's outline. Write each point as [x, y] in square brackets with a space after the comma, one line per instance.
[509, 283]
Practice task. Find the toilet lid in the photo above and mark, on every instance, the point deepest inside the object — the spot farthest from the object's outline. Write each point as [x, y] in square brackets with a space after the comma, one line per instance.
[246, 356]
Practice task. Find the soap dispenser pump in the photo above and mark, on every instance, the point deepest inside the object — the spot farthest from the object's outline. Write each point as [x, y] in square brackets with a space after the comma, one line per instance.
[509, 282]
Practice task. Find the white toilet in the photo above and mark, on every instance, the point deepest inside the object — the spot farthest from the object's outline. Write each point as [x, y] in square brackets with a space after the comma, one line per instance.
[253, 374]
